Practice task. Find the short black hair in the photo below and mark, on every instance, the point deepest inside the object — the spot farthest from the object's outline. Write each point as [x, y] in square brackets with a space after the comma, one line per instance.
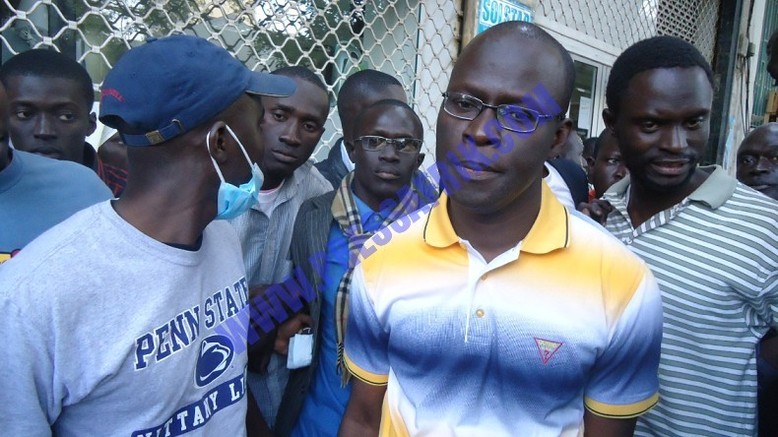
[649, 54]
[49, 63]
[397, 103]
[590, 147]
[364, 81]
[303, 73]
[598, 143]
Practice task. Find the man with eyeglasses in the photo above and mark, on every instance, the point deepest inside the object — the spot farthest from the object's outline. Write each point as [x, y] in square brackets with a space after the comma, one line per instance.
[497, 311]
[359, 91]
[565, 178]
[332, 227]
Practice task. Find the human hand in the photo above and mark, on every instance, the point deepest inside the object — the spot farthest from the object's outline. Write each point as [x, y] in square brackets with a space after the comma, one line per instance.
[597, 210]
[289, 329]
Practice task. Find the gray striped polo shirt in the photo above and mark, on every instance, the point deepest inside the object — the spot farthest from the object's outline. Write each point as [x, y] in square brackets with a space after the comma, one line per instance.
[715, 257]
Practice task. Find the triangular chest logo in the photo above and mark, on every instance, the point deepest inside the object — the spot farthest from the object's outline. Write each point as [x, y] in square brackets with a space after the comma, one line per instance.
[547, 348]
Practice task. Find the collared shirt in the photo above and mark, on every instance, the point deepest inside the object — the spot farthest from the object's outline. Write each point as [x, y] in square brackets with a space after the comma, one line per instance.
[715, 256]
[558, 186]
[344, 156]
[265, 242]
[516, 346]
[326, 401]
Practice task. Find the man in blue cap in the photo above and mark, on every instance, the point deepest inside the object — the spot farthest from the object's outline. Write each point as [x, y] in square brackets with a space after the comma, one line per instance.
[116, 312]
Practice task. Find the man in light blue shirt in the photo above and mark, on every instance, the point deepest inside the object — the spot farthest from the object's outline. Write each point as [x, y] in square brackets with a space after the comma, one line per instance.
[37, 193]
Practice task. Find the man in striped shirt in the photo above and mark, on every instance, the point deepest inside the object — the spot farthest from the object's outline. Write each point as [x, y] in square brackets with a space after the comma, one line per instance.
[291, 128]
[711, 241]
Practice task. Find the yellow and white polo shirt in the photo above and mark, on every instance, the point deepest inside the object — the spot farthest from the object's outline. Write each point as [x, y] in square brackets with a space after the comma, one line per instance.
[517, 346]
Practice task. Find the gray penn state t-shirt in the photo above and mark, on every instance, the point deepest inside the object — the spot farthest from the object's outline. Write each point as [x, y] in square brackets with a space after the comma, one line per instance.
[109, 332]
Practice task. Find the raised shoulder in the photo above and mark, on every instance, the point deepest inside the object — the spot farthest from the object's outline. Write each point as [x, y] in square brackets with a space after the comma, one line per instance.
[69, 176]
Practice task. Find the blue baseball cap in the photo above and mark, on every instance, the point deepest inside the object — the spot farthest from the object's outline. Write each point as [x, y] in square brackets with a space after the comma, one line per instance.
[169, 86]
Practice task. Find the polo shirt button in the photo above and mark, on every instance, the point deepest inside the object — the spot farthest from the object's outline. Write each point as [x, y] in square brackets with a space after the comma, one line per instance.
[484, 276]
[480, 313]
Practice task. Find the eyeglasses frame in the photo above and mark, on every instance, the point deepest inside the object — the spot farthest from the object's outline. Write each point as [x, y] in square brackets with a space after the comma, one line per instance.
[495, 108]
[385, 141]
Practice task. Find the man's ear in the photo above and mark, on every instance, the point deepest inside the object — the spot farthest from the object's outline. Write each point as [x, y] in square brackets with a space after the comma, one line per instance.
[560, 138]
[420, 159]
[217, 137]
[609, 117]
[92, 123]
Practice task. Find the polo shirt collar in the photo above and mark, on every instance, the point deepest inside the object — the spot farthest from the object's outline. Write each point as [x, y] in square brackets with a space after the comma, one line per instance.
[619, 188]
[716, 189]
[438, 231]
[550, 231]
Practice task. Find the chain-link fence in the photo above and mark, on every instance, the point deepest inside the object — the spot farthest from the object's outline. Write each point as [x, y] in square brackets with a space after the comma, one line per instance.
[416, 40]
[621, 23]
[412, 39]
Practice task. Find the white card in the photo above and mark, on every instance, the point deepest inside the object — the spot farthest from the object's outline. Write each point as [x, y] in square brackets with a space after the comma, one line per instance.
[300, 351]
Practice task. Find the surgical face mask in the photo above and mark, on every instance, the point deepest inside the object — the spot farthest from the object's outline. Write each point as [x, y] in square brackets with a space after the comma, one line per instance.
[234, 201]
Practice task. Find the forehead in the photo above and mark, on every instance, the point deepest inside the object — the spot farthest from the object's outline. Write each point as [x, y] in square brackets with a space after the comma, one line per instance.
[608, 145]
[40, 90]
[307, 98]
[389, 120]
[761, 140]
[668, 90]
[510, 69]
[394, 92]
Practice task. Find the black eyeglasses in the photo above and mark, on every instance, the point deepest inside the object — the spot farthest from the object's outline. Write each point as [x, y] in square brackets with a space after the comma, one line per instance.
[511, 117]
[375, 143]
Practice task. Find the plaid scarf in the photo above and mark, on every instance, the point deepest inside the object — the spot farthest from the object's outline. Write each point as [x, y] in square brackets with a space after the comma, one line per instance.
[345, 212]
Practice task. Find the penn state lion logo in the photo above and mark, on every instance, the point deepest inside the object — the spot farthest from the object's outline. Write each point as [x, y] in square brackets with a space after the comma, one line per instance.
[216, 353]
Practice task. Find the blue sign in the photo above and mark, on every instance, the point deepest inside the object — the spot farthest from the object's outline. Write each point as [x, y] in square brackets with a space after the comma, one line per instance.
[493, 12]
